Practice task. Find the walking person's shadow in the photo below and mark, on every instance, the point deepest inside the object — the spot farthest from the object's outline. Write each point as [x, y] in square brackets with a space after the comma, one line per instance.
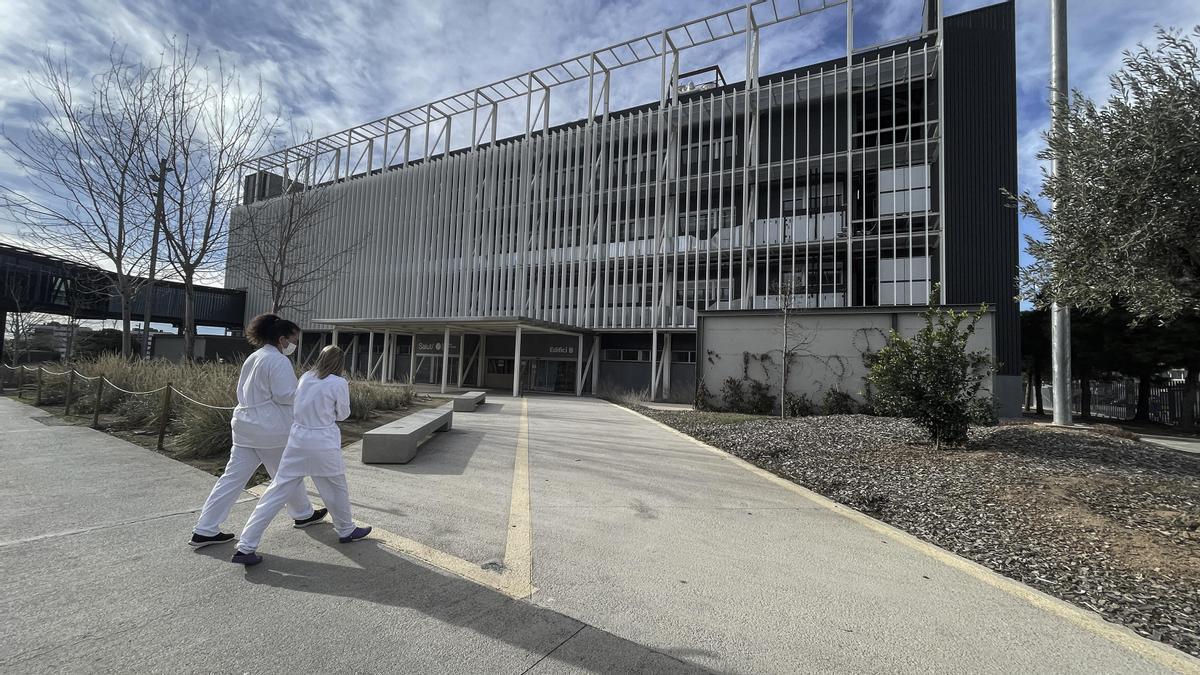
[377, 575]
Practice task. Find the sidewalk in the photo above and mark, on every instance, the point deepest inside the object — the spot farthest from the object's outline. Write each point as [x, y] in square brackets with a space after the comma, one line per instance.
[635, 550]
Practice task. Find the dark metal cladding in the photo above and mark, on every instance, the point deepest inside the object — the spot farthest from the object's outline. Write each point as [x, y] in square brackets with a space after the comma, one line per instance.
[981, 160]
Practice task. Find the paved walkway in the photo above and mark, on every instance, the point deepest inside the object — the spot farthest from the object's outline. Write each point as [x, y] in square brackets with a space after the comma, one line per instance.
[542, 534]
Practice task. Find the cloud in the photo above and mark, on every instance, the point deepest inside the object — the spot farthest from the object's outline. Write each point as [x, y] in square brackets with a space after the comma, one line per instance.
[334, 65]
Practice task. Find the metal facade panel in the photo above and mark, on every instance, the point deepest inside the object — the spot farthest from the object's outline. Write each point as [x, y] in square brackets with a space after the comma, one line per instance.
[981, 159]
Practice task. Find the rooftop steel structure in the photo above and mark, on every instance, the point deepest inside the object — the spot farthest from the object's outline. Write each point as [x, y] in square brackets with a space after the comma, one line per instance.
[388, 142]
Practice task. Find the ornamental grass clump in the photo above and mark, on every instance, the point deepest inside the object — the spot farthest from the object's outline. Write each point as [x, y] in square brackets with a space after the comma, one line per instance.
[932, 377]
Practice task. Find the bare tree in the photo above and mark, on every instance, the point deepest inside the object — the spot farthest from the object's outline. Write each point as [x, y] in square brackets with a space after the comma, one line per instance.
[283, 245]
[20, 319]
[210, 126]
[83, 160]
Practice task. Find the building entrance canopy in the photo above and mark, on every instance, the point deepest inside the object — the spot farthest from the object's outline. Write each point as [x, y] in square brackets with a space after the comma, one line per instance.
[435, 333]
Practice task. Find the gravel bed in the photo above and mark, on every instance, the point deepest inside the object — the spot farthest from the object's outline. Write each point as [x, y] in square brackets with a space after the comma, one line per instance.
[1110, 524]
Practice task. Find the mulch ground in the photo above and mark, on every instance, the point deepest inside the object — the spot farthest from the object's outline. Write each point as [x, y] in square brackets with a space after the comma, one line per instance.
[1108, 523]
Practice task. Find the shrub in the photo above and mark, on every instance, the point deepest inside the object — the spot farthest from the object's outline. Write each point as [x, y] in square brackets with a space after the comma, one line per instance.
[798, 405]
[981, 411]
[733, 395]
[759, 400]
[838, 402]
[703, 400]
[932, 377]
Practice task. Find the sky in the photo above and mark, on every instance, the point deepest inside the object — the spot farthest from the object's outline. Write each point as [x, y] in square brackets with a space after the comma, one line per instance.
[331, 65]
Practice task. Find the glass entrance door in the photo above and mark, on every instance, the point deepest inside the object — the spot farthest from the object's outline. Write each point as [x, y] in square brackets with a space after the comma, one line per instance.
[547, 375]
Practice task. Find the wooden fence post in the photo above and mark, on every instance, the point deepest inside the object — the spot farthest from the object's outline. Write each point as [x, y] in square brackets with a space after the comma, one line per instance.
[162, 416]
[70, 391]
[96, 409]
[20, 381]
[38, 400]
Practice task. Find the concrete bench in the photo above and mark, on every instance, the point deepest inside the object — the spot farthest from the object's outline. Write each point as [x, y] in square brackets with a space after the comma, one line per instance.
[396, 442]
[469, 401]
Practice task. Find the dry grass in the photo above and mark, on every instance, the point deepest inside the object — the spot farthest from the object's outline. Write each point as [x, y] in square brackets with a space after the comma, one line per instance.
[195, 432]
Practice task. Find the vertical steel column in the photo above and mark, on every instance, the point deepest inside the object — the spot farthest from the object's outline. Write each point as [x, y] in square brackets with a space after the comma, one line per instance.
[750, 161]
[1060, 315]
[595, 364]
[516, 391]
[654, 364]
[445, 358]
[371, 362]
[666, 366]
[849, 276]
[479, 365]
[412, 358]
[462, 344]
[579, 366]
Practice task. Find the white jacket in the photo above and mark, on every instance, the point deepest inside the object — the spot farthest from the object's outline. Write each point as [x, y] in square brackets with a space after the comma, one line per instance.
[265, 391]
[315, 445]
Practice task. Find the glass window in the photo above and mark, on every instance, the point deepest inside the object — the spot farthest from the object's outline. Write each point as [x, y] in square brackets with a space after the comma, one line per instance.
[500, 366]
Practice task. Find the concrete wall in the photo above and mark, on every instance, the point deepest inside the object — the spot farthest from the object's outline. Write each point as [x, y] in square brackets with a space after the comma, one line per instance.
[749, 344]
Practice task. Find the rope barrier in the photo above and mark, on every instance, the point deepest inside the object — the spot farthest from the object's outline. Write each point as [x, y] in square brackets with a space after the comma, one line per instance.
[133, 393]
[199, 403]
[109, 382]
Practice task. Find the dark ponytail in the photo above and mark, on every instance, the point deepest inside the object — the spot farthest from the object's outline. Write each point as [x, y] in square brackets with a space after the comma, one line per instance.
[266, 329]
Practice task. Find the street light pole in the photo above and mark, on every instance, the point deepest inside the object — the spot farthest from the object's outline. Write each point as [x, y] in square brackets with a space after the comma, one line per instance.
[160, 218]
[1060, 315]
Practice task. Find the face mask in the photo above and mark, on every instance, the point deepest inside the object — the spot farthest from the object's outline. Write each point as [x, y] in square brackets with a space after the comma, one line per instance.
[289, 349]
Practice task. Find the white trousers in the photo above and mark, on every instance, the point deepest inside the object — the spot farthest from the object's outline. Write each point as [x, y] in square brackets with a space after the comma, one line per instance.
[333, 492]
[243, 462]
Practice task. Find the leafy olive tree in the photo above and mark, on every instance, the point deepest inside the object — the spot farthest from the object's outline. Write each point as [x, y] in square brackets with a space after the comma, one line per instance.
[932, 377]
[1127, 191]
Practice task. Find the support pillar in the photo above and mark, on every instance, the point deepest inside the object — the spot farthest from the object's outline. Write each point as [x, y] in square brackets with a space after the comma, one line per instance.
[385, 357]
[654, 365]
[479, 368]
[354, 355]
[595, 364]
[412, 359]
[462, 353]
[517, 365]
[370, 354]
[666, 377]
[579, 367]
[391, 357]
[445, 358]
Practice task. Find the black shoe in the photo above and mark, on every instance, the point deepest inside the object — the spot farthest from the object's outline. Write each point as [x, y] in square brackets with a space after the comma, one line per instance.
[200, 541]
[247, 559]
[317, 516]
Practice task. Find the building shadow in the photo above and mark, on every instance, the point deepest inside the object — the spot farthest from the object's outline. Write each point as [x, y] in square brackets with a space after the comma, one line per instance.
[380, 576]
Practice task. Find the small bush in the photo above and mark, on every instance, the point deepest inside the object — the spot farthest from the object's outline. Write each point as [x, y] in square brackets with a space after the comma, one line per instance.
[981, 412]
[733, 395]
[838, 402]
[798, 405]
[932, 377]
[759, 400]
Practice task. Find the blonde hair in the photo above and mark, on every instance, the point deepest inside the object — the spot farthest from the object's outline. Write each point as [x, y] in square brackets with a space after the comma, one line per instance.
[329, 362]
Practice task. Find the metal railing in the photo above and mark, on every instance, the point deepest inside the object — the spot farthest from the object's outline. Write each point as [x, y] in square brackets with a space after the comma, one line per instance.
[1117, 400]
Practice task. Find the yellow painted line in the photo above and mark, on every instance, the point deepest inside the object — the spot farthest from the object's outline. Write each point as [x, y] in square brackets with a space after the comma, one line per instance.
[1157, 652]
[516, 580]
[518, 547]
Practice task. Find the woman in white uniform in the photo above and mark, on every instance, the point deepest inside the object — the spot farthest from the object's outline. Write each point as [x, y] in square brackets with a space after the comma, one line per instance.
[314, 449]
[261, 422]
